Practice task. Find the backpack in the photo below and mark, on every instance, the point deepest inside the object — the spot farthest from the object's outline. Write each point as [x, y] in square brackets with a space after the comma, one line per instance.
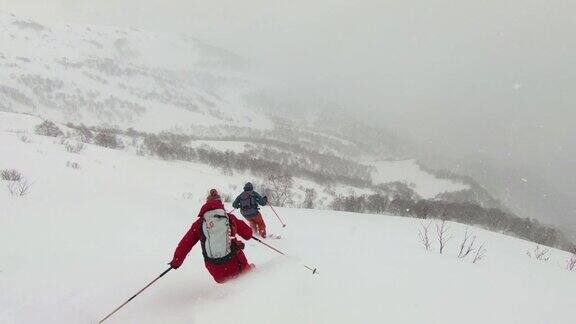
[217, 244]
[248, 205]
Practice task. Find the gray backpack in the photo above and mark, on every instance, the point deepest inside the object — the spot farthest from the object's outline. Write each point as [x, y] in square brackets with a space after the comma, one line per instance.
[217, 244]
[248, 204]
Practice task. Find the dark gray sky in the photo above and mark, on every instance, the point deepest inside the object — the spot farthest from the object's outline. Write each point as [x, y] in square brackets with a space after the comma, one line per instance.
[491, 80]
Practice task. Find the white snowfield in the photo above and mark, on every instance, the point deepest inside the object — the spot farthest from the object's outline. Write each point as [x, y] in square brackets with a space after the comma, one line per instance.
[100, 75]
[424, 184]
[85, 240]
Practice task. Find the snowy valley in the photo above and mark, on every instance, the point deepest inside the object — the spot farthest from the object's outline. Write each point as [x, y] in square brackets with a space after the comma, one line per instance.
[107, 153]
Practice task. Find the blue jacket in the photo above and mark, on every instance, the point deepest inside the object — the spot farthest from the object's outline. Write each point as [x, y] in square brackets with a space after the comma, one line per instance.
[251, 201]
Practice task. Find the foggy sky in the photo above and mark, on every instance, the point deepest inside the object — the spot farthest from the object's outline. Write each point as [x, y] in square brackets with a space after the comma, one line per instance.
[492, 80]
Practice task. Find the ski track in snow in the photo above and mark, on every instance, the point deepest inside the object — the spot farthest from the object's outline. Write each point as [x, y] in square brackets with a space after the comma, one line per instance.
[83, 241]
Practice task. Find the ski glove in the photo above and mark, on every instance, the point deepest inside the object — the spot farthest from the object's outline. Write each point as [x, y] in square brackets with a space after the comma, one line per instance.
[175, 263]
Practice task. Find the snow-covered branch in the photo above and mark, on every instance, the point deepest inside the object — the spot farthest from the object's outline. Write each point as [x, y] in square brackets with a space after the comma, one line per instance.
[423, 233]
[443, 235]
[467, 245]
[480, 253]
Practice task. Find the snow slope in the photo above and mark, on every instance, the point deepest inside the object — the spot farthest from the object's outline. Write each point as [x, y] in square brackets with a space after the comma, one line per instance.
[115, 76]
[86, 239]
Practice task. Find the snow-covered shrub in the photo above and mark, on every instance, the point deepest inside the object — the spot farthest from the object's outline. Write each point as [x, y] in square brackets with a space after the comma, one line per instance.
[480, 254]
[85, 134]
[540, 253]
[443, 235]
[141, 151]
[24, 138]
[278, 189]
[19, 188]
[310, 196]
[74, 147]
[48, 128]
[10, 175]
[467, 245]
[571, 264]
[82, 133]
[170, 147]
[424, 235]
[107, 139]
[73, 165]
[350, 203]
[377, 203]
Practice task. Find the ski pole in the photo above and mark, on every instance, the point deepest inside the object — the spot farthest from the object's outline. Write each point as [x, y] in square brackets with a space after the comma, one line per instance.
[281, 222]
[314, 270]
[138, 293]
[230, 212]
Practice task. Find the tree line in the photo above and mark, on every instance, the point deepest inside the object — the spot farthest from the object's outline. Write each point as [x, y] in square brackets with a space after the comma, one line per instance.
[492, 219]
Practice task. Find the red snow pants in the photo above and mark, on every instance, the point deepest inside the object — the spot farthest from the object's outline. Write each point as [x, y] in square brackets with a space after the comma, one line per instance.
[258, 225]
[229, 270]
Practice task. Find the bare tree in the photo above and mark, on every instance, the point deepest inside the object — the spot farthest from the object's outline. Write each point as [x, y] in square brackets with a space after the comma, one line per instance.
[541, 254]
[467, 245]
[10, 175]
[443, 236]
[24, 138]
[48, 128]
[73, 165]
[107, 138]
[571, 264]
[424, 236]
[74, 147]
[480, 253]
[19, 188]
[309, 198]
[278, 189]
[83, 133]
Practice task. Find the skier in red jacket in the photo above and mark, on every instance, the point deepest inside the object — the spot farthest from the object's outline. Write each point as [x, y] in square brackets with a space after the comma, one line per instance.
[216, 230]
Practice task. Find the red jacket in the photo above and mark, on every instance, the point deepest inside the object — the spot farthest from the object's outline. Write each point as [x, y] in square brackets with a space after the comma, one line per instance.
[220, 272]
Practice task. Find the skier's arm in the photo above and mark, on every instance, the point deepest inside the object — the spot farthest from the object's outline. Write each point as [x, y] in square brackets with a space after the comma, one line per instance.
[242, 228]
[202, 211]
[186, 244]
[262, 201]
[236, 202]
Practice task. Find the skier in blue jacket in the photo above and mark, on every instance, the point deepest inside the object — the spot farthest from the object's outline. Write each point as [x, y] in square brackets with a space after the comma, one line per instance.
[248, 202]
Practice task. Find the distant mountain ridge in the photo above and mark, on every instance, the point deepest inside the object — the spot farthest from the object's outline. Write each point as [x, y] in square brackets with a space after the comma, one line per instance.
[116, 76]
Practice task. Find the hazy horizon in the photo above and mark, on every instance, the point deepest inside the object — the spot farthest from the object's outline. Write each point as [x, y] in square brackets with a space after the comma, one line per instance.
[489, 81]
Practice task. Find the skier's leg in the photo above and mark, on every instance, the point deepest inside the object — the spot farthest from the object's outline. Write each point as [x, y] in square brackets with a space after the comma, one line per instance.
[244, 266]
[259, 220]
[253, 225]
